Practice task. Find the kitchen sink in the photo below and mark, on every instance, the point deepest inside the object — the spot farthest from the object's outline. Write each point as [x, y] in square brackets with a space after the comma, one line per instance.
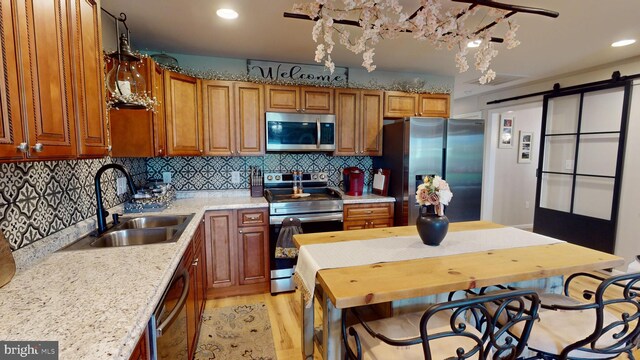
[130, 237]
[144, 222]
[139, 230]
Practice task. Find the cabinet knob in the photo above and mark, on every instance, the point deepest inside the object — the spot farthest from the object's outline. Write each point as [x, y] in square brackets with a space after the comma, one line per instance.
[195, 262]
[23, 147]
[38, 147]
[201, 151]
[109, 148]
[240, 231]
[160, 151]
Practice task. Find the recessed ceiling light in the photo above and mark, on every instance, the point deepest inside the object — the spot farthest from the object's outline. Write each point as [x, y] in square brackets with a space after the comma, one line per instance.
[227, 13]
[474, 43]
[623, 42]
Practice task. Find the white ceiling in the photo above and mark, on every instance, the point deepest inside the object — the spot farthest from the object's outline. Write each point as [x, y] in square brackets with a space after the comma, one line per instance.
[578, 39]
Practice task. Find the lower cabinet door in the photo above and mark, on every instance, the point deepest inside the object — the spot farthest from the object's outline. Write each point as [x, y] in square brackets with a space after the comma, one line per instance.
[253, 248]
[192, 311]
[222, 250]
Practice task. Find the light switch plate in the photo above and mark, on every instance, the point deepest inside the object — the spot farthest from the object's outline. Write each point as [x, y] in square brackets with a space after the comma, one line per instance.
[166, 177]
[568, 164]
[121, 185]
[235, 177]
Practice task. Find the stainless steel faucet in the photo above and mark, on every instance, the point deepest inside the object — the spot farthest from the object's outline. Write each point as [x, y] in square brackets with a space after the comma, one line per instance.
[100, 211]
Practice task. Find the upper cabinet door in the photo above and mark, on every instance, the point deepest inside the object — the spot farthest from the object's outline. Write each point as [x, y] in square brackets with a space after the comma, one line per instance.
[347, 119]
[400, 104]
[219, 118]
[10, 116]
[283, 98]
[317, 100]
[47, 83]
[88, 78]
[371, 143]
[249, 99]
[434, 105]
[183, 115]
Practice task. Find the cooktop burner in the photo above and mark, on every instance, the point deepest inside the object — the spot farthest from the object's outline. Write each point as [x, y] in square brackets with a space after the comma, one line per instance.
[278, 195]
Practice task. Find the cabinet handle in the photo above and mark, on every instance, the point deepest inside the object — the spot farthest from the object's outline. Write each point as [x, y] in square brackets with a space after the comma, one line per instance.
[23, 147]
[195, 262]
[38, 147]
[369, 212]
[253, 217]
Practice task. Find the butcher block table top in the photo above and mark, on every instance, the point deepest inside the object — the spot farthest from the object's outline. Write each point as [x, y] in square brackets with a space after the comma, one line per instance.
[377, 283]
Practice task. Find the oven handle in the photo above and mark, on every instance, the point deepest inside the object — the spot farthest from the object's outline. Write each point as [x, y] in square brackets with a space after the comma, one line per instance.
[176, 309]
[277, 220]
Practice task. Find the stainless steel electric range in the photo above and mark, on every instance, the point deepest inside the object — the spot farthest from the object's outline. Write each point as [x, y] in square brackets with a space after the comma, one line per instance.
[320, 211]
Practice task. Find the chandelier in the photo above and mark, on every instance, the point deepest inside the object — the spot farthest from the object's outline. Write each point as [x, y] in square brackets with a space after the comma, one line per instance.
[439, 22]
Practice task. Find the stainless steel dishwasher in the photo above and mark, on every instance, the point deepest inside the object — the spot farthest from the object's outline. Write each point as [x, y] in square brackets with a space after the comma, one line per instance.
[168, 325]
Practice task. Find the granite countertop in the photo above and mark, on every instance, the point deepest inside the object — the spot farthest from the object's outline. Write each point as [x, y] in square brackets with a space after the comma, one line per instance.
[365, 198]
[96, 303]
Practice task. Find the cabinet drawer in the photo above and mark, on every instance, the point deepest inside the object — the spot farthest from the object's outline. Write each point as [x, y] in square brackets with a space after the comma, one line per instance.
[252, 217]
[368, 211]
[368, 224]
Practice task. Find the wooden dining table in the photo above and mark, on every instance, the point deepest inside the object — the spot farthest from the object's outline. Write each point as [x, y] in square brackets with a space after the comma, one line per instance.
[346, 287]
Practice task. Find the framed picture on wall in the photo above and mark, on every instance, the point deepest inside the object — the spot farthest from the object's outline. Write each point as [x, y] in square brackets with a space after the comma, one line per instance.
[525, 147]
[505, 141]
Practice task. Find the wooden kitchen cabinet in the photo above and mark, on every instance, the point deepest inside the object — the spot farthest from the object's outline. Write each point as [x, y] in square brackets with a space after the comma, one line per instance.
[400, 104]
[433, 105]
[138, 132]
[302, 99]
[52, 98]
[45, 67]
[359, 122]
[11, 121]
[141, 351]
[88, 78]
[237, 252]
[183, 114]
[368, 216]
[195, 261]
[233, 114]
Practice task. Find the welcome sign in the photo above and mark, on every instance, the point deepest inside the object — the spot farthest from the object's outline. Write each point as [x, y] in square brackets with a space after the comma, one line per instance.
[299, 73]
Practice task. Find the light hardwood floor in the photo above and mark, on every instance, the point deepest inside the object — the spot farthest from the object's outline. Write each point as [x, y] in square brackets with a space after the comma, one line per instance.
[285, 318]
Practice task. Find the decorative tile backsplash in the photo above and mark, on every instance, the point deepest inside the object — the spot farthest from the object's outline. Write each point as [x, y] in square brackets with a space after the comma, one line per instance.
[40, 198]
[214, 173]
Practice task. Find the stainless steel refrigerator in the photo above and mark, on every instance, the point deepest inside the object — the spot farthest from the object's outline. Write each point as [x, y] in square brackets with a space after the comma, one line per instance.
[452, 148]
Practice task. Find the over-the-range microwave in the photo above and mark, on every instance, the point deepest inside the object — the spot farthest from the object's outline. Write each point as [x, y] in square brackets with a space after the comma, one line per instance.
[300, 132]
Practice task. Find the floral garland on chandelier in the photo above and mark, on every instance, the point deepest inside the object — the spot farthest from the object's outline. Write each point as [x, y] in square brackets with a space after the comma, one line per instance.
[387, 19]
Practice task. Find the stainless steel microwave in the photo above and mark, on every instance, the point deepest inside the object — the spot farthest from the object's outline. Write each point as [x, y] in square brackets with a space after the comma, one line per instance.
[300, 132]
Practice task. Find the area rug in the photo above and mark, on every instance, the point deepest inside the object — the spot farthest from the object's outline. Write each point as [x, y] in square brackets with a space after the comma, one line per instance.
[236, 332]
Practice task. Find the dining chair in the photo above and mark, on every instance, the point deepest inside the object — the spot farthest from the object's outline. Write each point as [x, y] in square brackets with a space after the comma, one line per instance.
[604, 327]
[459, 329]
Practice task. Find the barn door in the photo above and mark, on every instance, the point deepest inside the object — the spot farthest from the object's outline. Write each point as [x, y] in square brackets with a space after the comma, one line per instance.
[580, 165]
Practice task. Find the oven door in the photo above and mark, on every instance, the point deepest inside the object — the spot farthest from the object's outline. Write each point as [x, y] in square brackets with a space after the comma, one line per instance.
[300, 132]
[282, 269]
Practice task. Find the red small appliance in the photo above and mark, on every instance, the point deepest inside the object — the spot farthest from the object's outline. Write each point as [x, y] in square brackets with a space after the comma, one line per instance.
[353, 180]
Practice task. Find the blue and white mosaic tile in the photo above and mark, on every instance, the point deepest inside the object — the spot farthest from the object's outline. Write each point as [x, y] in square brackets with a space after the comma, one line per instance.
[38, 199]
[214, 173]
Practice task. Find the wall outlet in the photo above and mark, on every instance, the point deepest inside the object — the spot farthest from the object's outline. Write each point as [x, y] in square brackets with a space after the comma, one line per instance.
[166, 177]
[235, 177]
[121, 185]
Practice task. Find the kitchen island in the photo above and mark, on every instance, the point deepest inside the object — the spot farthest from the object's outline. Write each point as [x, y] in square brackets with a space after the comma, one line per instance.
[352, 286]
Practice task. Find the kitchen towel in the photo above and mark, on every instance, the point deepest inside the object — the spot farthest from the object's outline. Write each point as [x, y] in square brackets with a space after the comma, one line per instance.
[313, 258]
[7, 263]
[284, 245]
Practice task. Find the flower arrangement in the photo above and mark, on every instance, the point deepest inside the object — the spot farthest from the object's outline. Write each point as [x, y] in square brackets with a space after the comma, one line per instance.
[437, 22]
[434, 191]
